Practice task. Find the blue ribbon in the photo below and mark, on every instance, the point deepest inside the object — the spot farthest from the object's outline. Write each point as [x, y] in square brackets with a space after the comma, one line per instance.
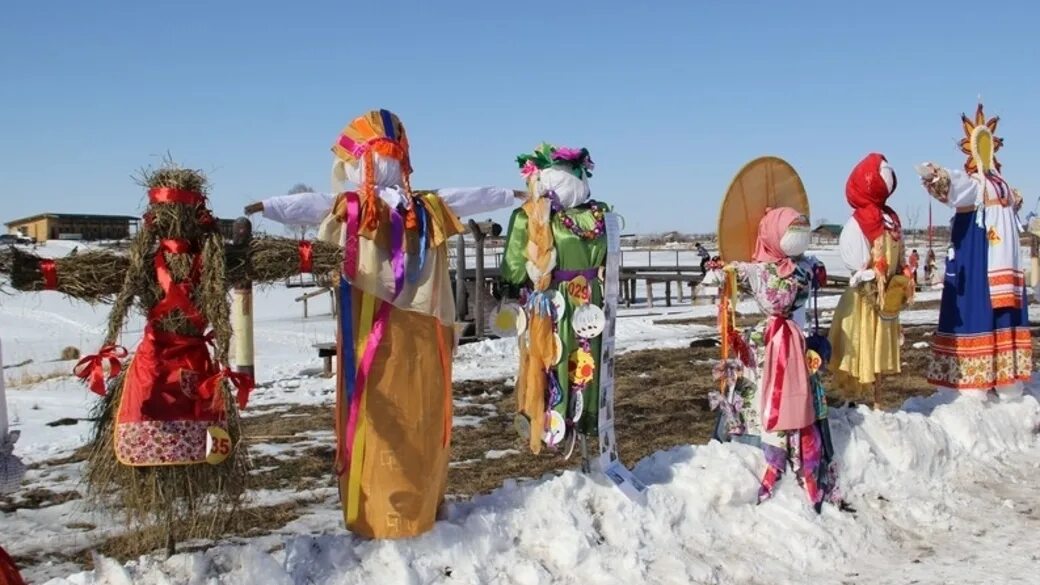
[348, 363]
[388, 124]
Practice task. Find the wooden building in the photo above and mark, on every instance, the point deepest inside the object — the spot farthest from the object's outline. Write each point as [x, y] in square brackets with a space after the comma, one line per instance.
[827, 233]
[70, 226]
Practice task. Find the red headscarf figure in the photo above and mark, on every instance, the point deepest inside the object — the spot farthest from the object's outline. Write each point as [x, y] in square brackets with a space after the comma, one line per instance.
[8, 571]
[870, 185]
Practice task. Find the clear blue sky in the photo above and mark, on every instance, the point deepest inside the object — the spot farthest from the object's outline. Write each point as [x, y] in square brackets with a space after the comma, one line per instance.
[672, 98]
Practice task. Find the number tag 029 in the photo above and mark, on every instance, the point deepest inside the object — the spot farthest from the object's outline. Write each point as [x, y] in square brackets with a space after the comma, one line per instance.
[218, 445]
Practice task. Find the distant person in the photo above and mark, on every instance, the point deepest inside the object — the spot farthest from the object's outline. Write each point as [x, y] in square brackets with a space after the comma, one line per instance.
[705, 257]
[929, 266]
[912, 263]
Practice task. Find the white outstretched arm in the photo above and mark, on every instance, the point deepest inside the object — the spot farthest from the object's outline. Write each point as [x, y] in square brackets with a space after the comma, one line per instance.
[854, 247]
[298, 209]
[465, 201]
[964, 189]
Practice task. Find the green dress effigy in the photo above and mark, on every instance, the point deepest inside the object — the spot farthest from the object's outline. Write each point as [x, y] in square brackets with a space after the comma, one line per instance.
[570, 403]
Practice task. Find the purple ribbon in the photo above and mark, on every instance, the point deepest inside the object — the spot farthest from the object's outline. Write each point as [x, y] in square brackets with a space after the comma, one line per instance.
[554, 391]
[397, 250]
[562, 276]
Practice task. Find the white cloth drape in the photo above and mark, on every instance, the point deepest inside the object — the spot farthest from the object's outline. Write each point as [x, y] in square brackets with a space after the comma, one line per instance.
[11, 468]
[311, 208]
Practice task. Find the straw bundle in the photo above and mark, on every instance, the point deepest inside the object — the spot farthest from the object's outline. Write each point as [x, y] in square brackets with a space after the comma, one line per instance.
[275, 259]
[97, 276]
[90, 276]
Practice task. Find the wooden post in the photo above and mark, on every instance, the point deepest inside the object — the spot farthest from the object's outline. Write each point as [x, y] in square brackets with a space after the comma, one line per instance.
[649, 294]
[478, 290]
[679, 285]
[460, 278]
[334, 302]
[242, 304]
[668, 293]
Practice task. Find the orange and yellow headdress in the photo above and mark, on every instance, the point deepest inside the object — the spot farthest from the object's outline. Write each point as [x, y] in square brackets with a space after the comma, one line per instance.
[374, 132]
[980, 142]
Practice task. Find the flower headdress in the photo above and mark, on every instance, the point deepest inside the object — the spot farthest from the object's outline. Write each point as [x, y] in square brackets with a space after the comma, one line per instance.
[547, 155]
[980, 142]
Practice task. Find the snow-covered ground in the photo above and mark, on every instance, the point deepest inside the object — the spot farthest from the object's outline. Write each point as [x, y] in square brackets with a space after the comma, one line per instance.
[946, 489]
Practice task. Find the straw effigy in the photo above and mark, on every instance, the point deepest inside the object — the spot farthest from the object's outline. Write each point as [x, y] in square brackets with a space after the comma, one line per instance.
[186, 501]
[191, 501]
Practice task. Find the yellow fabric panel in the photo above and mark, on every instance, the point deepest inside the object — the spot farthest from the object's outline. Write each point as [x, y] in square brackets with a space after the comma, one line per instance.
[404, 466]
[863, 345]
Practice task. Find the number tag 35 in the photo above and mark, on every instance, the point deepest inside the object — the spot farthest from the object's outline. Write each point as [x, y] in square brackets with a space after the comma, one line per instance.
[218, 445]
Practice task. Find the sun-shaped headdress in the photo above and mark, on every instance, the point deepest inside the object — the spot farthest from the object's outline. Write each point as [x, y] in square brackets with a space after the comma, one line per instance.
[980, 142]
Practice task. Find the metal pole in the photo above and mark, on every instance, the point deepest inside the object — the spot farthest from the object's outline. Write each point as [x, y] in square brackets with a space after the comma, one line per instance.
[929, 225]
[460, 277]
[478, 289]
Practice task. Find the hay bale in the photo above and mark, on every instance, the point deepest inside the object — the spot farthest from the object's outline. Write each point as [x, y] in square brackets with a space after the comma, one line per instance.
[70, 353]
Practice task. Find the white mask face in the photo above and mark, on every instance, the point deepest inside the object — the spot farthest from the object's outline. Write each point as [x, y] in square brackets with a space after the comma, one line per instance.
[388, 172]
[795, 241]
[570, 190]
[888, 175]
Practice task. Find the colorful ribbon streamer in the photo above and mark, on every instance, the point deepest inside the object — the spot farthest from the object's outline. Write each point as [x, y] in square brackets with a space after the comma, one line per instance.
[351, 243]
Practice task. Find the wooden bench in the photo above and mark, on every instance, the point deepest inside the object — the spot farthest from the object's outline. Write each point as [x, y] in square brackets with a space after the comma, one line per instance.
[304, 298]
[326, 351]
[680, 280]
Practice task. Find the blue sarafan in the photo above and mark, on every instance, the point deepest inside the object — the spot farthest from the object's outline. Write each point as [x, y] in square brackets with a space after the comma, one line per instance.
[983, 341]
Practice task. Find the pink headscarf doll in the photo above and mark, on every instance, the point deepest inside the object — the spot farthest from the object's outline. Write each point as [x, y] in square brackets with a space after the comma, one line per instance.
[787, 410]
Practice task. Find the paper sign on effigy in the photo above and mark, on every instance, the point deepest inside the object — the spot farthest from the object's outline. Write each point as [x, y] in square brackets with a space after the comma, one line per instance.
[609, 463]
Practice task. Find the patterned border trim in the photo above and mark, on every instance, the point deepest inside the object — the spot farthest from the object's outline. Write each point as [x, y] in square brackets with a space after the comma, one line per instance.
[151, 443]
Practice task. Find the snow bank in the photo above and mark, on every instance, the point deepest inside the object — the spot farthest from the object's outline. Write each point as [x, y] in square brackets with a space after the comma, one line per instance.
[943, 477]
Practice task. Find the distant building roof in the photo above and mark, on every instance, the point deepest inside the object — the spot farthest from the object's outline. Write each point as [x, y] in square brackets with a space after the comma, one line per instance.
[73, 216]
[828, 228]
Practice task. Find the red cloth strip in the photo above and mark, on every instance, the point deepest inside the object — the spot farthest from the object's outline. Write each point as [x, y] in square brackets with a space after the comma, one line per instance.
[174, 246]
[177, 295]
[50, 274]
[169, 195]
[306, 257]
[91, 369]
[210, 388]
